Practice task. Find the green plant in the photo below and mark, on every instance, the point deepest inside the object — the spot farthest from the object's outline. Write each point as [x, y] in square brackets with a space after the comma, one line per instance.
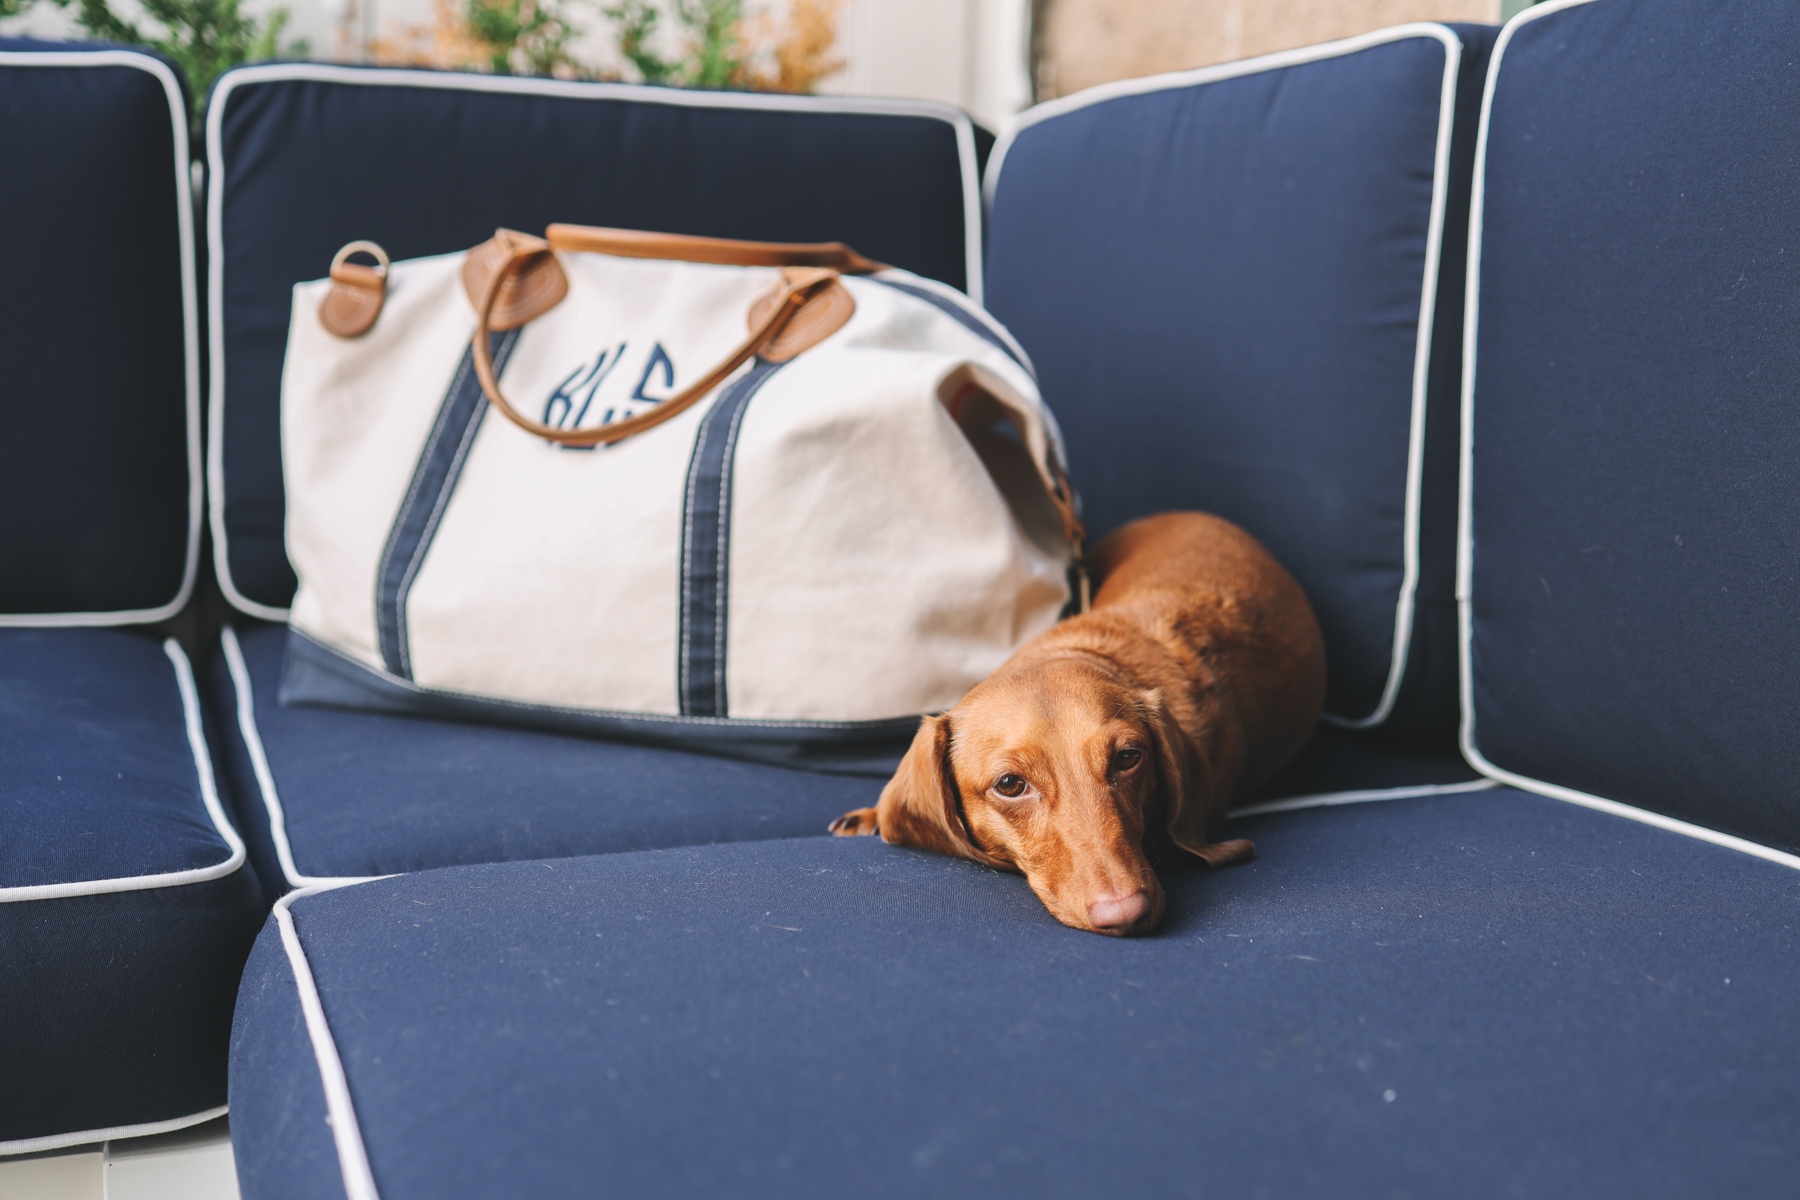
[637, 21]
[523, 36]
[714, 54]
[204, 37]
[715, 58]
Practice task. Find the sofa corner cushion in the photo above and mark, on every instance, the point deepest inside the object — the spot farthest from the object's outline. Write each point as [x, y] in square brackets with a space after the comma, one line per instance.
[100, 332]
[897, 179]
[1483, 995]
[1241, 286]
[1632, 509]
[126, 905]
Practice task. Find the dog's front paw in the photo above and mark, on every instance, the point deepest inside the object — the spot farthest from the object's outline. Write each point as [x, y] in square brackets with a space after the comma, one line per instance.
[855, 822]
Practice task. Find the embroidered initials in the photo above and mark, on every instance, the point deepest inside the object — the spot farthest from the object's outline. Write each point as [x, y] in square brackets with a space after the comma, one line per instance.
[568, 406]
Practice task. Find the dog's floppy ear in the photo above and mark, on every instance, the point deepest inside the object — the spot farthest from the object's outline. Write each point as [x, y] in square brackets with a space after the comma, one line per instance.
[1185, 786]
[920, 806]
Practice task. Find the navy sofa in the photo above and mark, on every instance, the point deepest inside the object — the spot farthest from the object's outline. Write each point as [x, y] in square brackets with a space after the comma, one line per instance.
[1491, 338]
[126, 903]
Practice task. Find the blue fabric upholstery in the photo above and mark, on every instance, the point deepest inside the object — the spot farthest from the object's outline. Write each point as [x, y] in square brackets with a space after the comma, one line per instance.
[1636, 500]
[97, 326]
[1495, 995]
[437, 161]
[125, 912]
[369, 794]
[1220, 281]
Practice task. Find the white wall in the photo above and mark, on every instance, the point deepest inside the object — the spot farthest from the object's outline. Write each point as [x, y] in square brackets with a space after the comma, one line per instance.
[970, 53]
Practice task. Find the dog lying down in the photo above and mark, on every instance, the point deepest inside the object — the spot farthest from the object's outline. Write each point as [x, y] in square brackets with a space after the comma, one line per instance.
[1198, 673]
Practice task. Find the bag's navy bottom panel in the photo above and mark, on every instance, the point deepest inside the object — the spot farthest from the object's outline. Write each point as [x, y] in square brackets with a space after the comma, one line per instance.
[1491, 994]
[315, 673]
[371, 794]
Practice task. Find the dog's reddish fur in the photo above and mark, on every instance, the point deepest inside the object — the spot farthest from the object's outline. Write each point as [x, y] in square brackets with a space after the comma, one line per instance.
[1198, 673]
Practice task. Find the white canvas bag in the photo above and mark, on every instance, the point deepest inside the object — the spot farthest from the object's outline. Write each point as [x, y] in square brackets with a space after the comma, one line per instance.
[785, 545]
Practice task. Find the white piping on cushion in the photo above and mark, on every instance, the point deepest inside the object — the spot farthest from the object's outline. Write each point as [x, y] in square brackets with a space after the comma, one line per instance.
[190, 319]
[507, 84]
[265, 778]
[209, 795]
[1465, 532]
[353, 1157]
[1368, 796]
[1440, 181]
[59, 1141]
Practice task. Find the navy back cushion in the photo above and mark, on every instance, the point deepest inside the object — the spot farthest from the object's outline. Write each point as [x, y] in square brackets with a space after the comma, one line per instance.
[99, 443]
[306, 158]
[1635, 473]
[1227, 279]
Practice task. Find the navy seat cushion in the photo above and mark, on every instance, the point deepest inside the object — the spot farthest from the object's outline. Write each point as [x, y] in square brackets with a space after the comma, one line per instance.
[1222, 278]
[1635, 496]
[368, 794]
[307, 157]
[126, 908]
[364, 794]
[1487, 996]
[99, 443]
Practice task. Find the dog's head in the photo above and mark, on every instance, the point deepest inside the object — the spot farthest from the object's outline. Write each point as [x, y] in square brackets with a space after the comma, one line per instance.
[1058, 772]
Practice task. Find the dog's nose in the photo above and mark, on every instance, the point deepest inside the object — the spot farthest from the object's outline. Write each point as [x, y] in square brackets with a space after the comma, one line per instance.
[1119, 914]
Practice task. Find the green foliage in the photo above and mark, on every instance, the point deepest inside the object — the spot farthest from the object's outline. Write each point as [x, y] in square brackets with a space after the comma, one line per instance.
[712, 27]
[522, 36]
[714, 55]
[204, 37]
[637, 21]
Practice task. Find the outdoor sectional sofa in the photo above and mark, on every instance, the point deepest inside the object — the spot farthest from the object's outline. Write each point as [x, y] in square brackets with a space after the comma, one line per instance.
[1492, 336]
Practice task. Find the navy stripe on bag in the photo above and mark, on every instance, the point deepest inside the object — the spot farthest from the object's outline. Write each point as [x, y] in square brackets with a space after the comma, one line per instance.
[433, 480]
[706, 546]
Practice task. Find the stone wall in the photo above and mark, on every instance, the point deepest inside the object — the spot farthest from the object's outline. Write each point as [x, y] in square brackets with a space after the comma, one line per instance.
[1080, 43]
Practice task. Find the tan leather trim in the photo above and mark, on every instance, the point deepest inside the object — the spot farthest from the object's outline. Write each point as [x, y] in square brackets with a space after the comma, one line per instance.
[682, 247]
[820, 317]
[794, 299]
[534, 282]
[356, 294]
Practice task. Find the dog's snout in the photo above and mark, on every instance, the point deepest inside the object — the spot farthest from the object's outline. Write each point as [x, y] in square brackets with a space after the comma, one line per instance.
[1120, 915]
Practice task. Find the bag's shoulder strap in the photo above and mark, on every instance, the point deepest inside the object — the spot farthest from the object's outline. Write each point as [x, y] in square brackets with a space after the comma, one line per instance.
[682, 247]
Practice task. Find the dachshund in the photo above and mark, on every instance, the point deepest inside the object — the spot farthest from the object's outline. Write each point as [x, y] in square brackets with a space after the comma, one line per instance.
[1198, 673]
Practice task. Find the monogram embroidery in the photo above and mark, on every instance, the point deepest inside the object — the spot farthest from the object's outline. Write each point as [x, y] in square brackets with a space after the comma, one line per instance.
[573, 399]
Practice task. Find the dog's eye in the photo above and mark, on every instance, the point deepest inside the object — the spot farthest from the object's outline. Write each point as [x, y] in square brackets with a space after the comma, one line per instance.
[1011, 786]
[1127, 758]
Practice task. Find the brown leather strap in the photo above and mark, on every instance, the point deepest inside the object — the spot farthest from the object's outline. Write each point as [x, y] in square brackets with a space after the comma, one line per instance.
[356, 294]
[633, 243]
[1062, 496]
[801, 286]
[813, 271]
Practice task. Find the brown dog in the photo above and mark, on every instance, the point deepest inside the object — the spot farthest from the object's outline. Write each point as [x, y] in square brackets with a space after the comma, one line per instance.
[1198, 673]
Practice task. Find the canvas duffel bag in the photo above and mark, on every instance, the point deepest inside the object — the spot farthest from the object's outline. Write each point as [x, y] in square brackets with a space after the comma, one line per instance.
[765, 500]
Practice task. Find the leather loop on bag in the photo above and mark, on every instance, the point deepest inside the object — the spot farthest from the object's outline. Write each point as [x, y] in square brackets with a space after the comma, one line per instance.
[682, 247]
[357, 292]
[532, 281]
[520, 252]
[818, 318]
[1062, 496]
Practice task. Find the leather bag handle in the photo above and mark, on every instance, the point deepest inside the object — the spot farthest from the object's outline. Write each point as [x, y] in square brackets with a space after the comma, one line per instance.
[799, 286]
[682, 247]
[812, 269]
